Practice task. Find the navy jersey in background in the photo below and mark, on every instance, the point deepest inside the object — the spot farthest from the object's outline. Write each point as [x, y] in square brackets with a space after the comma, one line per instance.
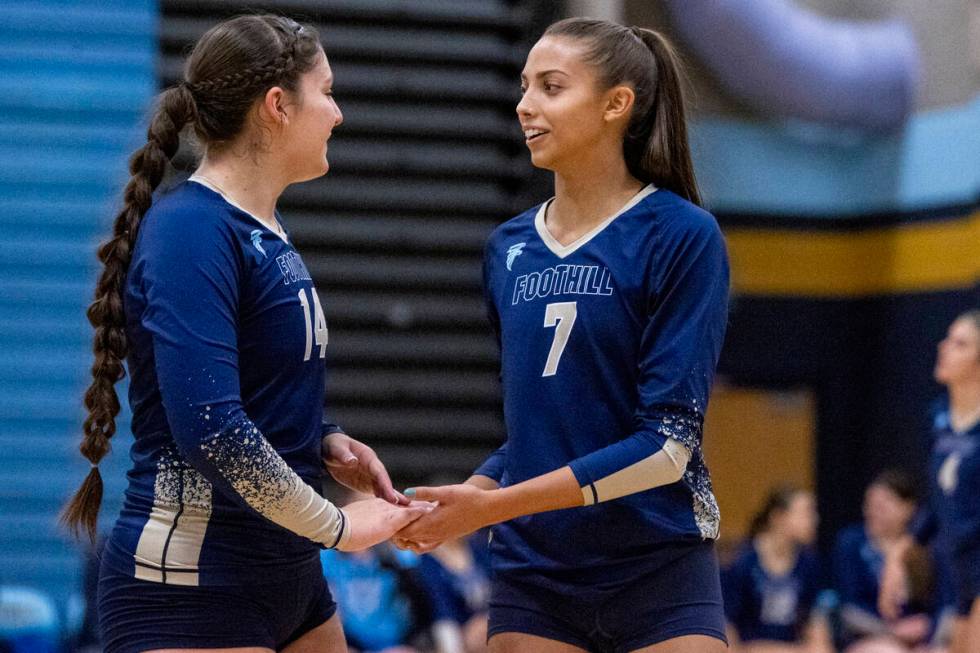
[952, 516]
[608, 348]
[226, 359]
[764, 606]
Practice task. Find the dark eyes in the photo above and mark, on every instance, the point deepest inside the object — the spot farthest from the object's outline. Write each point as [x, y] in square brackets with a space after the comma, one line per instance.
[548, 88]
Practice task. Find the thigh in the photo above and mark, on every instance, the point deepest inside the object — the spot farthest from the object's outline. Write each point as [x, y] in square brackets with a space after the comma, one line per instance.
[687, 644]
[136, 616]
[519, 611]
[522, 643]
[328, 637]
[672, 606]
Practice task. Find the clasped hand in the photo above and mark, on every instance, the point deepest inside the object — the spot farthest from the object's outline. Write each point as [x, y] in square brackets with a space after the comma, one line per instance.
[460, 510]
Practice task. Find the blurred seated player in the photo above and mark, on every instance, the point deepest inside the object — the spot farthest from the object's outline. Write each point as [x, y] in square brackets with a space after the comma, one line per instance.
[456, 580]
[859, 557]
[771, 587]
[382, 609]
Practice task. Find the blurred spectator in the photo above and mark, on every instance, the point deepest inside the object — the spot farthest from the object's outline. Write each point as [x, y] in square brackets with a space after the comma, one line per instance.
[889, 505]
[771, 587]
[28, 622]
[381, 608]
[456, 579]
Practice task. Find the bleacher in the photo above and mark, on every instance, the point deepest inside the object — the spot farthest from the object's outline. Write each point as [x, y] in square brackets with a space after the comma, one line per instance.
[75, 79]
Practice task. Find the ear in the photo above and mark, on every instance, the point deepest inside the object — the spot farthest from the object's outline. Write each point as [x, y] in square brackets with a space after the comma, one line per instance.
[272, 108]
[619, 103]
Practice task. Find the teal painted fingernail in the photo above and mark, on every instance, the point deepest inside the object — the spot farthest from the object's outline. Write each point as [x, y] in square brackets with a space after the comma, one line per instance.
[410, 492]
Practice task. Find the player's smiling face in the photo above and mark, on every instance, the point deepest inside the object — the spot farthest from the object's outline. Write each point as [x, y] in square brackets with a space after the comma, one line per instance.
[562, 107]
[958, 356]
[313, 116]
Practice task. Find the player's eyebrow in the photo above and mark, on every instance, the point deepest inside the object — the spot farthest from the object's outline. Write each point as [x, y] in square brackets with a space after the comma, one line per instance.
[543, 73]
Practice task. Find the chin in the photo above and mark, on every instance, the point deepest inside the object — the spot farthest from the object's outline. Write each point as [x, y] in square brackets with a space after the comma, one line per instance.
[541, 161]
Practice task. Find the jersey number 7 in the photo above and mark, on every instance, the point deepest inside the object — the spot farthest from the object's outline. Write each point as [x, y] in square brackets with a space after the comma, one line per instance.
[320, 332]
[562, 317]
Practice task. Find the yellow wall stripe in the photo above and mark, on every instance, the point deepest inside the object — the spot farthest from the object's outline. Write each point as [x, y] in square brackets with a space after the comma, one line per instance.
[910, 257]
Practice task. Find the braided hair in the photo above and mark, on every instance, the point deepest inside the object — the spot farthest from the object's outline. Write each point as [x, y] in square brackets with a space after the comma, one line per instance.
[231, 66]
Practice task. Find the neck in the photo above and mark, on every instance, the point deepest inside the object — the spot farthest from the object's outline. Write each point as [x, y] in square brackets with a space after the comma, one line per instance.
[964, 403]
[589, 191]
[248, 181]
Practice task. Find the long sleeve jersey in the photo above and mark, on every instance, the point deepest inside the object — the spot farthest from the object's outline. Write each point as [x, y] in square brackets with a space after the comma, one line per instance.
[226, 340]
[608, 349]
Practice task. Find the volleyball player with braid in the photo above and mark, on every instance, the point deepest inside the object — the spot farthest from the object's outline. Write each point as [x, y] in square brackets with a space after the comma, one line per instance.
[210, 305]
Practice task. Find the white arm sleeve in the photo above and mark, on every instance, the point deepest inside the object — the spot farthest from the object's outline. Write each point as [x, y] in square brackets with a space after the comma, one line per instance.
[662, 468]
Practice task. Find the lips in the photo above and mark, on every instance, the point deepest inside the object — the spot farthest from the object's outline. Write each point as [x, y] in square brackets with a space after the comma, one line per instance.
[533, 133]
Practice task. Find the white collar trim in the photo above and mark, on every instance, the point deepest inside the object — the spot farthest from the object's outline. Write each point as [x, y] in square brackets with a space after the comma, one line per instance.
[561, 251]
[203, 182]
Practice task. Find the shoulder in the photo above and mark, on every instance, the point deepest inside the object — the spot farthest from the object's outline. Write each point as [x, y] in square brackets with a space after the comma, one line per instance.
[188, 214]
[512, 232]
[674, 216]
[671, 229]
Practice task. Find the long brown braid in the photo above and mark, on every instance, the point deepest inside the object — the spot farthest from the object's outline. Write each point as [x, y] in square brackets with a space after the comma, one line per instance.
[230, 67]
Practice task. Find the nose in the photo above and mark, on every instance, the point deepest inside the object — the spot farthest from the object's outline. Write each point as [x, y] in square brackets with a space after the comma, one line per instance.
[340, 115]
[524, 107]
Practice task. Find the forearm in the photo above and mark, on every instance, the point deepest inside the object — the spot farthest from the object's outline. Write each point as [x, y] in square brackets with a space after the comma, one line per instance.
[552, 491]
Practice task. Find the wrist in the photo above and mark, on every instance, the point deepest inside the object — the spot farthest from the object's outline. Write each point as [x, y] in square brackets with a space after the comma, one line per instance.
[497, 506]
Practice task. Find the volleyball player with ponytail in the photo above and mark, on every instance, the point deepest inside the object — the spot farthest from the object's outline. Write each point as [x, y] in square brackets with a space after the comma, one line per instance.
[224, 337]
[610, 306]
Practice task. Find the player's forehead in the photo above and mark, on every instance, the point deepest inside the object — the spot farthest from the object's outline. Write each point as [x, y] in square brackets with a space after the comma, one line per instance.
[555, 55]
[321, 73]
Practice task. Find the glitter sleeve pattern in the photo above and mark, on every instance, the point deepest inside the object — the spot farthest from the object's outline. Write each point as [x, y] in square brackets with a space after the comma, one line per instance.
[680, 346]
[192, 288]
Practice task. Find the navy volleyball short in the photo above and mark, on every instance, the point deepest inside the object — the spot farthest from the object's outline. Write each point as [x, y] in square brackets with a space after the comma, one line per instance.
[138, 615]
[683, 597]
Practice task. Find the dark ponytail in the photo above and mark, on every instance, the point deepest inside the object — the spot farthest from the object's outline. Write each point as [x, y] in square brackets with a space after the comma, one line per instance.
[146, 167]
[232, 65]
[655, 147]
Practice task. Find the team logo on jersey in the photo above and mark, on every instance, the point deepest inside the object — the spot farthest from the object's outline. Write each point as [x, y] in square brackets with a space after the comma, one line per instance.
[513, 252]
[257, 240]
[949, 474]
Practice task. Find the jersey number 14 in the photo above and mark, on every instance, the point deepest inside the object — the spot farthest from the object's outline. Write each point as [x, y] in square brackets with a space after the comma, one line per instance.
[316, 329]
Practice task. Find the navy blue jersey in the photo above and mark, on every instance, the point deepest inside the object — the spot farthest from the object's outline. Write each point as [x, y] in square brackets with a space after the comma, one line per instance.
[453, 594]
[226, 344]
[608, 348]
[953, 514]
[762, 606]
[857, 569]
[858, 564]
